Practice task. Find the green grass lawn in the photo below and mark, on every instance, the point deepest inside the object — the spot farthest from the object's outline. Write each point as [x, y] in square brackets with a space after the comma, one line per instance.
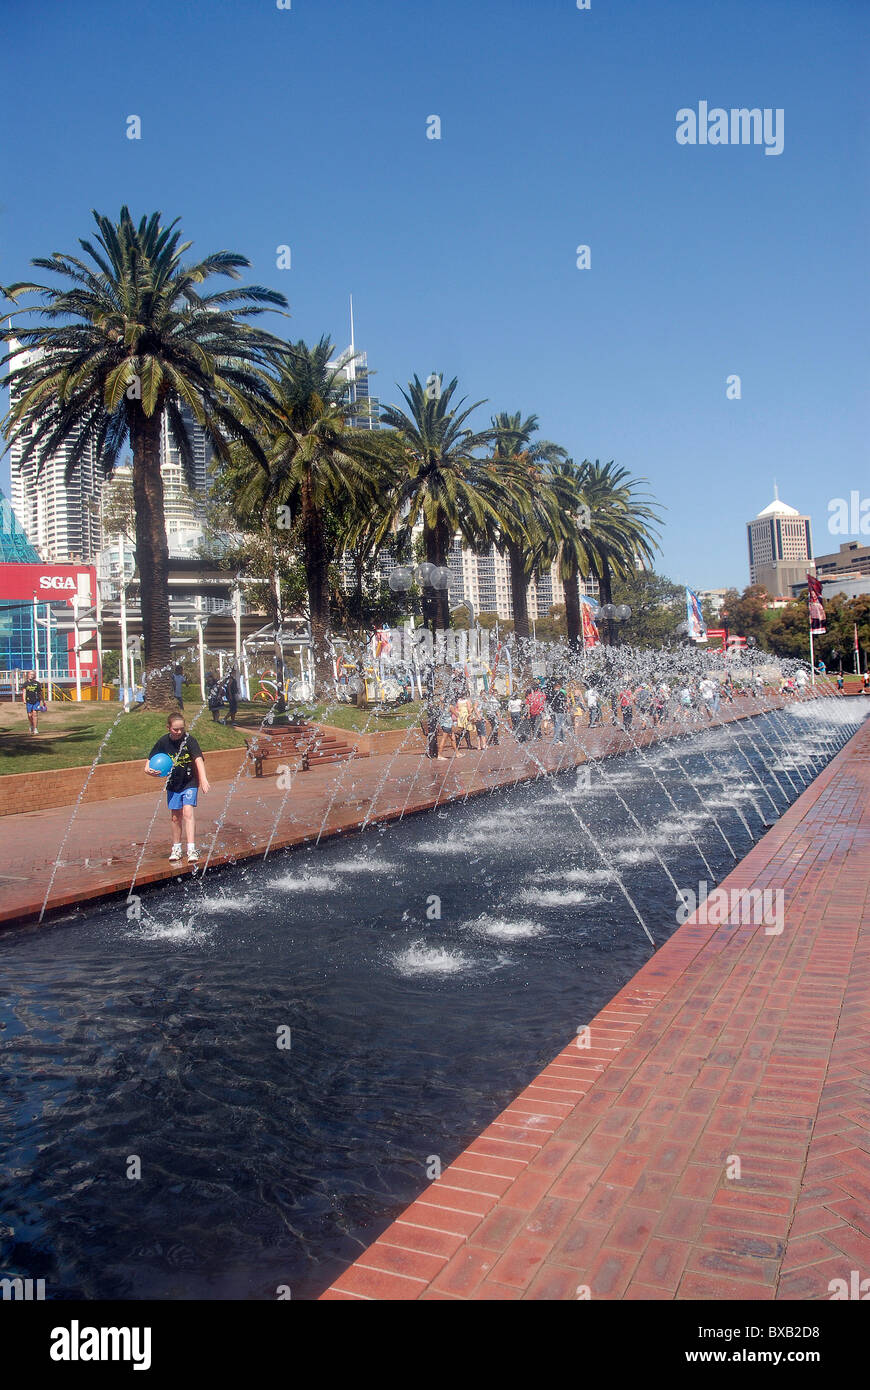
[70, 734]
[368, 721]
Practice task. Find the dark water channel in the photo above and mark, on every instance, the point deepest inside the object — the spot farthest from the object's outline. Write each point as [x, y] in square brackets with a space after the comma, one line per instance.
[264, 1165]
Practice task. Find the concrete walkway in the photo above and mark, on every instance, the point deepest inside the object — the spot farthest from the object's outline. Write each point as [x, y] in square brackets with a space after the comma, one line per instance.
[66, 857]
[713, 1140]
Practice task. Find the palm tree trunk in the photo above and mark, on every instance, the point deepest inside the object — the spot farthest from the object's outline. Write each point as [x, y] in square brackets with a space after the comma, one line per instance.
[152, 560]
[573, 620]
[316, 563]
[437, 548]
[605, 594]
[358, 564]
[519, 589]
[275, 617]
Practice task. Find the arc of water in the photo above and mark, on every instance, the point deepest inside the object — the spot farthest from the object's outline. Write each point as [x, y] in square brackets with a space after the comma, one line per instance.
[736, 744]
[777, 810]
[287, 790]
[608, 862]
[760, 728]
[80, 798]
[268, 718]
[664, 741]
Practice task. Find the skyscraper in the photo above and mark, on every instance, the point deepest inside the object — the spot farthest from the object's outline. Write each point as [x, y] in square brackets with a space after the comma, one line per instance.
[60, 518]
[353, 366]
[780, 547]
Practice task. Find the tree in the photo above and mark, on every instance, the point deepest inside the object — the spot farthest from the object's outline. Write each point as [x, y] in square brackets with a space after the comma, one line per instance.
[323, 474]
[657, 608]
[747, 614]
[442, 483]
[622, 528]
[129, 340]
[524, 518]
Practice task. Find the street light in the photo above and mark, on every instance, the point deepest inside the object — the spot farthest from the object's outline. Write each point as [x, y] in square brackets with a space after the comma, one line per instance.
[614, 613]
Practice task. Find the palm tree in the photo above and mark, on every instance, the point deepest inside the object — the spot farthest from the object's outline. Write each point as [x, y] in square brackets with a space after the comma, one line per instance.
[323, 471]
[603, 525]
[129, 343]
[569, 536]
[623, 526]
[442, 483]
[525, 518]
[245, 488]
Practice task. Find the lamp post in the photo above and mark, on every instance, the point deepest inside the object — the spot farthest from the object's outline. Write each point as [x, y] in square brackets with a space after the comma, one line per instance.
[614, 613]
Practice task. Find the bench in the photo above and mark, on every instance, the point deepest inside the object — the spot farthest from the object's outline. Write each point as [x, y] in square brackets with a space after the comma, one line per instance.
[281, 748]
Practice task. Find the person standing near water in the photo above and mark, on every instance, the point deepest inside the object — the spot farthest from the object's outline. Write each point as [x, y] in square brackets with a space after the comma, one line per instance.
[185, 780]
[178, 684]
[231, 690]
[33, 700]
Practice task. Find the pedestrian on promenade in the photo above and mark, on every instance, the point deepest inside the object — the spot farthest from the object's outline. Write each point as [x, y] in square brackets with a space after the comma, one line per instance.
[593, 703]
[429, 725]
[214, 696]
[33, 699]
[626, 701]
[558, 702]
[178, 682]
[492, 710]
[186, 778]
[446, 732]
[534, 710]
[461, 715]
[231, 691]
[478, 723]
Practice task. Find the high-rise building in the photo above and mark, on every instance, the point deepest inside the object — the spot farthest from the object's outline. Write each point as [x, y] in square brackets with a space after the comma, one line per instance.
[354, 367]
[780, 547]
[485, 580]
[59, 518]
[63, 519]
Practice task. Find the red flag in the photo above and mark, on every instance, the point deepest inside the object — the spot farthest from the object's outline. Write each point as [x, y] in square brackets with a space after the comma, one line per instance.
[856, 637]
[816, 607]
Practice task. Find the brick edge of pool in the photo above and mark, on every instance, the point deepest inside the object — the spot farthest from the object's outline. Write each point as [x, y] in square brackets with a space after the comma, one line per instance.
[607, 1176]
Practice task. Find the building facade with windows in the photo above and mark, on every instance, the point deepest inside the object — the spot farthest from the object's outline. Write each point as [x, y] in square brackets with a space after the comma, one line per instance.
[780, 543]
[62, 518]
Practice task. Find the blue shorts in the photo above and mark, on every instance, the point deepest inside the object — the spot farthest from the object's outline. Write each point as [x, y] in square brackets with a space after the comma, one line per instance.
[178, 799]
[33, 709]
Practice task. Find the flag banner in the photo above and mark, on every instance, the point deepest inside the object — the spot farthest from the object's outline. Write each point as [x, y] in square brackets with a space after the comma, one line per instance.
[855, 648]
[590, 631]
[695, 622]
[816, 607]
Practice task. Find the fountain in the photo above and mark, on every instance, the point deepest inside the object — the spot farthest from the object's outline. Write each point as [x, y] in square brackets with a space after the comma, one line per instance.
[436, 956]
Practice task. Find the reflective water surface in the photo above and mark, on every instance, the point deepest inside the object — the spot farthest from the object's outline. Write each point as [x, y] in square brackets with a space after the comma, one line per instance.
[425, 972]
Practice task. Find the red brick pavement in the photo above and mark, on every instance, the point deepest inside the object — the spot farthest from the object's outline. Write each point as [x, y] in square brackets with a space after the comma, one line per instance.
[614, 1173]
[103, 846]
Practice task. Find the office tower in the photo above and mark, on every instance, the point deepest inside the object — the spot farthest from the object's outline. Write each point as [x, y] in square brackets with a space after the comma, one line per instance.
[60, 518]
[780, 547]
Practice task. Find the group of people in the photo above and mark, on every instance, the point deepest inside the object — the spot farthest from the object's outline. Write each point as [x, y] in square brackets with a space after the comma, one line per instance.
[220, 692]
[455, 719]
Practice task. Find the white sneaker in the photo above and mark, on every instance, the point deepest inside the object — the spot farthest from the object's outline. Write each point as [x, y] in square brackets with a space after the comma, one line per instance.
[192, 856]
[175, 856]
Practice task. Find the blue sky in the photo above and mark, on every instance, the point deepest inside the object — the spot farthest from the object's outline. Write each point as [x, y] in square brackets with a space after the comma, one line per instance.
[307, 127]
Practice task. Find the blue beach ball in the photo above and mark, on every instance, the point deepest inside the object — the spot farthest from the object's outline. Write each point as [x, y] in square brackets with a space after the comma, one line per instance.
[162, 763]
